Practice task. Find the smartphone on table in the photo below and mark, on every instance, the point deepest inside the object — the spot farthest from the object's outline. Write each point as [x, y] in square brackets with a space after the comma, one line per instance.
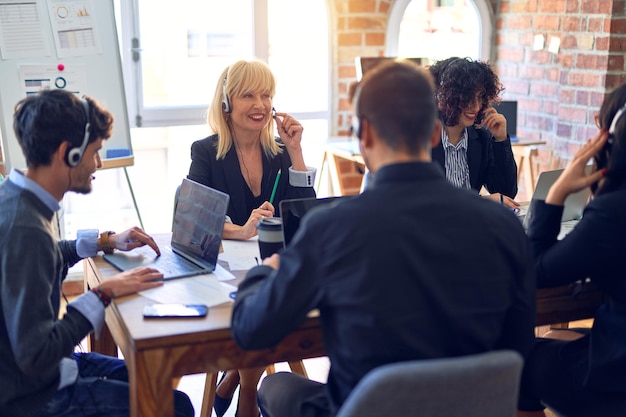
[174, 310]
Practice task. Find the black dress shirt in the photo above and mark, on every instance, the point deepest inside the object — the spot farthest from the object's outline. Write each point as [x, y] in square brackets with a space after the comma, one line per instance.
[412, 268]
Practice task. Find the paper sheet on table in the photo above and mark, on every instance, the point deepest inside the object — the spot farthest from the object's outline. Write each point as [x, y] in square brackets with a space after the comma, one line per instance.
[222, 274]
[200, 289]
[241, 255]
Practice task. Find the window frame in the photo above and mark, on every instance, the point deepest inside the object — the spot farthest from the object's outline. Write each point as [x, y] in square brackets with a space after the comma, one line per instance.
[163, 116]
[487, 24]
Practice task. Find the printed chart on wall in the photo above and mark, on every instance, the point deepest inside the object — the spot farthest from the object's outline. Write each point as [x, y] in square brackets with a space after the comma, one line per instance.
[61, 44]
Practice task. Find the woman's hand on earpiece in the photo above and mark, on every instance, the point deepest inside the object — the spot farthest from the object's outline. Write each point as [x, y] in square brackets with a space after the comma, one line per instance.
[496, 123]
[289, 130]
[574, 177]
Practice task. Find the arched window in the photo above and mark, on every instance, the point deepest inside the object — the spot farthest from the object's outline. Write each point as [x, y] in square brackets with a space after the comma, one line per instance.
[438, 29]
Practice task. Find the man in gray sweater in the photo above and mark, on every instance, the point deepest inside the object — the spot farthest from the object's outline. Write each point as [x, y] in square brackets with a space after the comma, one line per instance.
[40, 374]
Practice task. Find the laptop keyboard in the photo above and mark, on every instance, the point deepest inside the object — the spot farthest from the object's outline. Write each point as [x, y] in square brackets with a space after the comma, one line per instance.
[172, 264]
[175, 264]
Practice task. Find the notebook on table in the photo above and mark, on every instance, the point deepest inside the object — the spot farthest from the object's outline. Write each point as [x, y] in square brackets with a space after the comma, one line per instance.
[572, 208]
[196, 236]
[292, 211]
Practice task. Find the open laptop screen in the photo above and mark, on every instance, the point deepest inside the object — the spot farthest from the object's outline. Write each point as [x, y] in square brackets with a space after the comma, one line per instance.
[199, 220]
[574, 204]
[292, 212]
[194, 247]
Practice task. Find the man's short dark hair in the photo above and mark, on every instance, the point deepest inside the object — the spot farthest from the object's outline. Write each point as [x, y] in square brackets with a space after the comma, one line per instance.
[44, 120]
[397, 98]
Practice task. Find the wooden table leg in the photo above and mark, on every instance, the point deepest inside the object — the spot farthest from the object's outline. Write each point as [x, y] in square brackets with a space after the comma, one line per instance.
[150, 385]
[524, 158]
[529, 173]
[209, 394]
[298, 368]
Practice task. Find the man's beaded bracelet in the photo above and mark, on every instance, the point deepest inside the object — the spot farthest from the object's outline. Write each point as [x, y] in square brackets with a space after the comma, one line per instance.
[103, 296]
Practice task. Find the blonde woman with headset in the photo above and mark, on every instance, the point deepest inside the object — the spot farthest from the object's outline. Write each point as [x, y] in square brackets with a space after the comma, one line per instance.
[242, 157]
[245, 159]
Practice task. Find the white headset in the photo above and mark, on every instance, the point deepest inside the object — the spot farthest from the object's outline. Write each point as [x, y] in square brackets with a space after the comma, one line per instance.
[74, 155]
[225, 102]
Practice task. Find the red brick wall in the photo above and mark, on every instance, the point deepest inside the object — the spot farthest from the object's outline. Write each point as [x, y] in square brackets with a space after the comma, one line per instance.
[559, 93]
[360, 27]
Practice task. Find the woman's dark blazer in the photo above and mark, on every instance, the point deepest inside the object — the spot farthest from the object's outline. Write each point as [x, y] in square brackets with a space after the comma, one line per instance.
[491, 164]
[225, 175]
[593, 249]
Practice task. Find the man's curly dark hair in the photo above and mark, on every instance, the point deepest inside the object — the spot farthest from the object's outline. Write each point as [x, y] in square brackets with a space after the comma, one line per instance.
[458, 80]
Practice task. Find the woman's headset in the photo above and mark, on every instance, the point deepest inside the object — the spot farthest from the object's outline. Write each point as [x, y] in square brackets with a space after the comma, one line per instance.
[601, 159]
[74, 155]
[616, 118]
[225, 101]
[355, 128]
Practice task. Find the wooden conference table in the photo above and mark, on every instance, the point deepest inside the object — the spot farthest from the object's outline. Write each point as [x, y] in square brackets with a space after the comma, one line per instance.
[158, 351]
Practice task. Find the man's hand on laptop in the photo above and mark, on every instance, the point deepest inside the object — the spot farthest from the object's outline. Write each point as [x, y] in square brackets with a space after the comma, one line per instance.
[133, 238]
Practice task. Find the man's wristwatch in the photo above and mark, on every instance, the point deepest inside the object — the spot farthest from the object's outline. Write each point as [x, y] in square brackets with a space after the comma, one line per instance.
[103, 242]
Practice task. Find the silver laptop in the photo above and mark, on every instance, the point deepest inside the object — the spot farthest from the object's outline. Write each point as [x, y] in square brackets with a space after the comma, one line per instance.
[574, 203]
[197, 234]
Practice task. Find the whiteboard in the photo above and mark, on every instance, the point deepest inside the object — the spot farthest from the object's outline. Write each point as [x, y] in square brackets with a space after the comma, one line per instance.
[62, 44]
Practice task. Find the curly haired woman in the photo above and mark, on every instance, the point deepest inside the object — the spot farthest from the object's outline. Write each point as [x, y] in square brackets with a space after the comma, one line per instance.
[475, 149]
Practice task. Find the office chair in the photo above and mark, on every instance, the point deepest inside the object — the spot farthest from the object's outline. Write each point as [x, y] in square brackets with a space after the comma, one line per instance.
[481, 385]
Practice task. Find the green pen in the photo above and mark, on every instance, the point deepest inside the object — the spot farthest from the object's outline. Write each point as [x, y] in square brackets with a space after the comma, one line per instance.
[275, 187]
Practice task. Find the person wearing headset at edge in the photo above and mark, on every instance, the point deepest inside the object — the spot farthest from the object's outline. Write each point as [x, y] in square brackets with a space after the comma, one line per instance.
[242, 158]
[583, 373]
[40, 372]
[334, 261]
[475, 149]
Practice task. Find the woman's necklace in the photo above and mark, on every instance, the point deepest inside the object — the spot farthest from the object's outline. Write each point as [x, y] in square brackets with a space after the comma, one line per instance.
[243, 162]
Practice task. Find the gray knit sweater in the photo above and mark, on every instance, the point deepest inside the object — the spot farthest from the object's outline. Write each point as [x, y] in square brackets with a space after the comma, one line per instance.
[33, 340]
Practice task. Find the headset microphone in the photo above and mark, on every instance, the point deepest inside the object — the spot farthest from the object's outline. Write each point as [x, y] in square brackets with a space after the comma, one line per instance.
[74, 155]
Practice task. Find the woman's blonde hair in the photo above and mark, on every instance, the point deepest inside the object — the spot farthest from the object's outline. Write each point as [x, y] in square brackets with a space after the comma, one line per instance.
[238, 79]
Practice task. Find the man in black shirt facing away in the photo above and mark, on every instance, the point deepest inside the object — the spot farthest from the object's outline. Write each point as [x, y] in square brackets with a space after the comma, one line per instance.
[396, 273]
